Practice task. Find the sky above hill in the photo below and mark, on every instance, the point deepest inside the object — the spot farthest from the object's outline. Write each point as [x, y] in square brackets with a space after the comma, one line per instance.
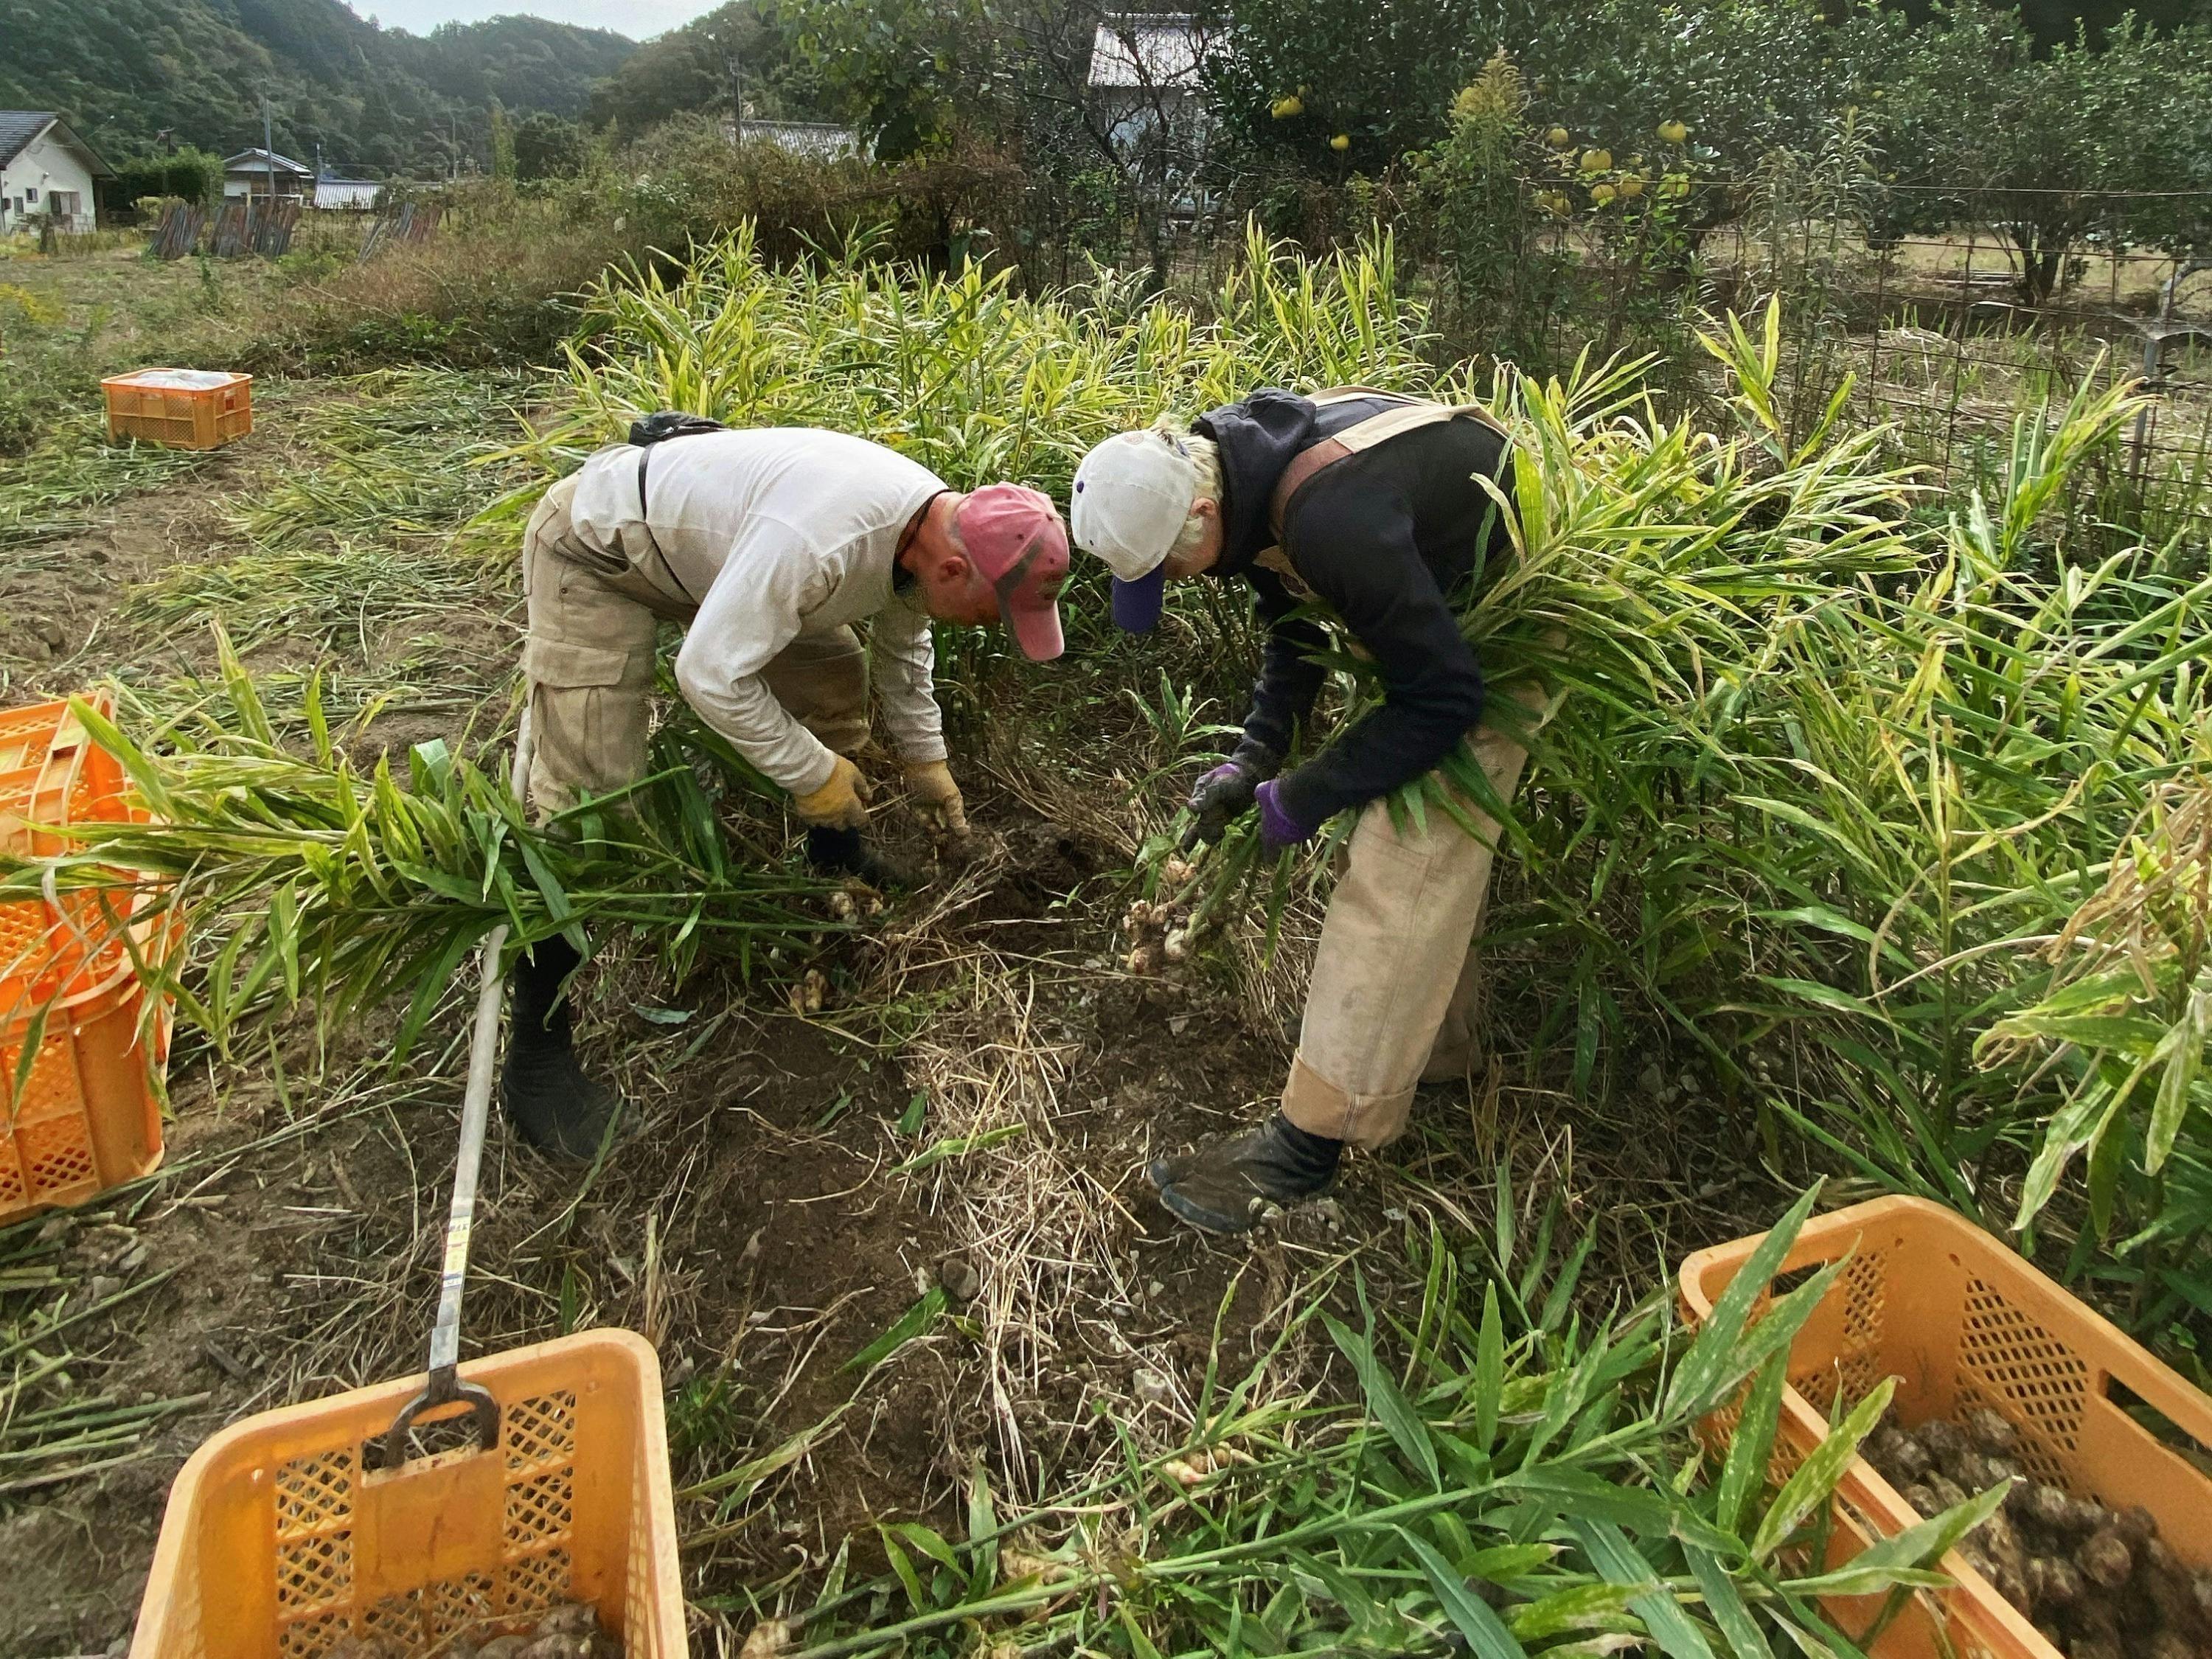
[641, 20]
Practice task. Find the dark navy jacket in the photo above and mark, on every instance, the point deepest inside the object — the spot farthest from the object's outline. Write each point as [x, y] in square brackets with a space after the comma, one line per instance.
[1386, 538]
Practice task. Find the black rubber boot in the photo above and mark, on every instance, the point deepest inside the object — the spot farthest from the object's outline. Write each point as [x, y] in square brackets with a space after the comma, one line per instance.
[1227, 1185]
[848, 853]
[553, 1105]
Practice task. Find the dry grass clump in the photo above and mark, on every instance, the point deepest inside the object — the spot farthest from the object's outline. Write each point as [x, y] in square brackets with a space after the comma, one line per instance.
[494, 286]
[1041, 1241]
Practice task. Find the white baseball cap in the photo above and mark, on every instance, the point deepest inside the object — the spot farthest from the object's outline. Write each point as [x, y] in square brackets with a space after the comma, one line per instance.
[1132, 495]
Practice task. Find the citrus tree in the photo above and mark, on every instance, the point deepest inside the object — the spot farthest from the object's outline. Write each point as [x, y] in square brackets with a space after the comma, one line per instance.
[1743, 77]
[1333, 88]
[2088, 144]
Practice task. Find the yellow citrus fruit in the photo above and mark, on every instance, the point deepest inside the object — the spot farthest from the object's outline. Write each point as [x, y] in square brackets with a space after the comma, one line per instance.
[1632, 185]
[1554, 204]
[1559, 138]
[1673, 132]
[1602, 193]
[1287, 107]
[1342, 141]
[1597, 161]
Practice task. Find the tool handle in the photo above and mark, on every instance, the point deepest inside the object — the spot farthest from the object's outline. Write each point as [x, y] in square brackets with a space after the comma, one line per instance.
[444, 1384]
[476, 1111]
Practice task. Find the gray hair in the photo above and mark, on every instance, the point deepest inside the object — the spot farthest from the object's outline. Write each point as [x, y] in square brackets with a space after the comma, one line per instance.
[1205, 483]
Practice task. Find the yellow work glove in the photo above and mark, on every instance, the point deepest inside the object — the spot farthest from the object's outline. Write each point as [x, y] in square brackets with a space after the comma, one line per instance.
[841, 803]
[937, 798]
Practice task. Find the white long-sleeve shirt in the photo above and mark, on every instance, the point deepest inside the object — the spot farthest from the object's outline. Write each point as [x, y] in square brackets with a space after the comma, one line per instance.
[777, 532]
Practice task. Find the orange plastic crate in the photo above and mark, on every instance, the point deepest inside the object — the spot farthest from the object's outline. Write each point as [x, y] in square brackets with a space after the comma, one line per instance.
[89, 1115]
[280, 1542]
[180, 408]
[1962, 1321]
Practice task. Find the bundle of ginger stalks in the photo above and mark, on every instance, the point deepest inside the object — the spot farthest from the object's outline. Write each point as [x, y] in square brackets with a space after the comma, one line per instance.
[300, 877]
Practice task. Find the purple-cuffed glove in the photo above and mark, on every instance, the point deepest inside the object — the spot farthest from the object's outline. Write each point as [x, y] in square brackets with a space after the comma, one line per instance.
[1223, 795]
[1278, 829]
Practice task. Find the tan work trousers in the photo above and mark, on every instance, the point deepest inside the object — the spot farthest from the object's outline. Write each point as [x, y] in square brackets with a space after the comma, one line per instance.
[1392, 1000]
[588, 661]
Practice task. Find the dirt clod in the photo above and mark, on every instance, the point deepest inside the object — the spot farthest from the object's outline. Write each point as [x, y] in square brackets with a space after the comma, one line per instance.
[2106, 1559]
[573, 1619]
[1990, 1432]
[959, 1278]
[2098, 1583]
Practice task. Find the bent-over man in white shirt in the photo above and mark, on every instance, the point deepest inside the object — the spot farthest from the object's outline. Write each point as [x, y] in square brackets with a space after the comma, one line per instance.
[768, 546]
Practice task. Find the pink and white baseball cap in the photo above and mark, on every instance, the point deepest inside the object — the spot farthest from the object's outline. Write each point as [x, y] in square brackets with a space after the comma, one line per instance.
[1019, 544]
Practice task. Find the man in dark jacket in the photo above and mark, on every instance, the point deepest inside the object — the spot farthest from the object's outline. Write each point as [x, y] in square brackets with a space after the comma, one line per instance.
[1370, 507]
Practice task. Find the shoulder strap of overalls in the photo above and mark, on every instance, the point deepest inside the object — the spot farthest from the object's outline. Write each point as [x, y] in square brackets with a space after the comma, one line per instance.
[645, 517]
[1411, 414]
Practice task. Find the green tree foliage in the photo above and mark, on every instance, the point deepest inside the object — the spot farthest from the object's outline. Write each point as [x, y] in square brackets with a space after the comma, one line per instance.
[750, 45]
[526, 63]
[547, 146]
[2044, 148]
[910, 72]
[1297, 73]
[2106, 139]
[125, 71]
[1747, 75]
[194, 175]
[502, 142]
[2052, 22]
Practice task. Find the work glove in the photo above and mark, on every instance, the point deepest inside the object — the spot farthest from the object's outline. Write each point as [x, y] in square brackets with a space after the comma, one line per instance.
[841, 803]
[1223, 796]
[1279, 829]
[937, 798]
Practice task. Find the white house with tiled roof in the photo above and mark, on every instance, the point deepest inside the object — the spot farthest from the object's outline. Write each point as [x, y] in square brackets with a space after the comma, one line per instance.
[257, 172]
[46, 172]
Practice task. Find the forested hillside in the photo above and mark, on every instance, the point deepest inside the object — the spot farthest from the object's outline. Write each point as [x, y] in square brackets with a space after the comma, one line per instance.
[690, 68]
[123, 71]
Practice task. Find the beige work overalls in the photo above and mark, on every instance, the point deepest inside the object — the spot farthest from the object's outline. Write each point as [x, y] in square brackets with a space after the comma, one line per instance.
[589, 658]
[1391, 1004]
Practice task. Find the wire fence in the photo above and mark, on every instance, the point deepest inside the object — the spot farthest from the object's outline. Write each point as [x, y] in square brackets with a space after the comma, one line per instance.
[1951, 334]
[1952, 311]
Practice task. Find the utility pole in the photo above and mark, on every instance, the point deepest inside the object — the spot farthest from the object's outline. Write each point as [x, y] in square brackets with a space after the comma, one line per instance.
[737, 102]
[268, 155]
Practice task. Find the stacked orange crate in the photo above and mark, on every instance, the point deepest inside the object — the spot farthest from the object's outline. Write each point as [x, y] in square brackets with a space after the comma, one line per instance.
[84, 1113]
